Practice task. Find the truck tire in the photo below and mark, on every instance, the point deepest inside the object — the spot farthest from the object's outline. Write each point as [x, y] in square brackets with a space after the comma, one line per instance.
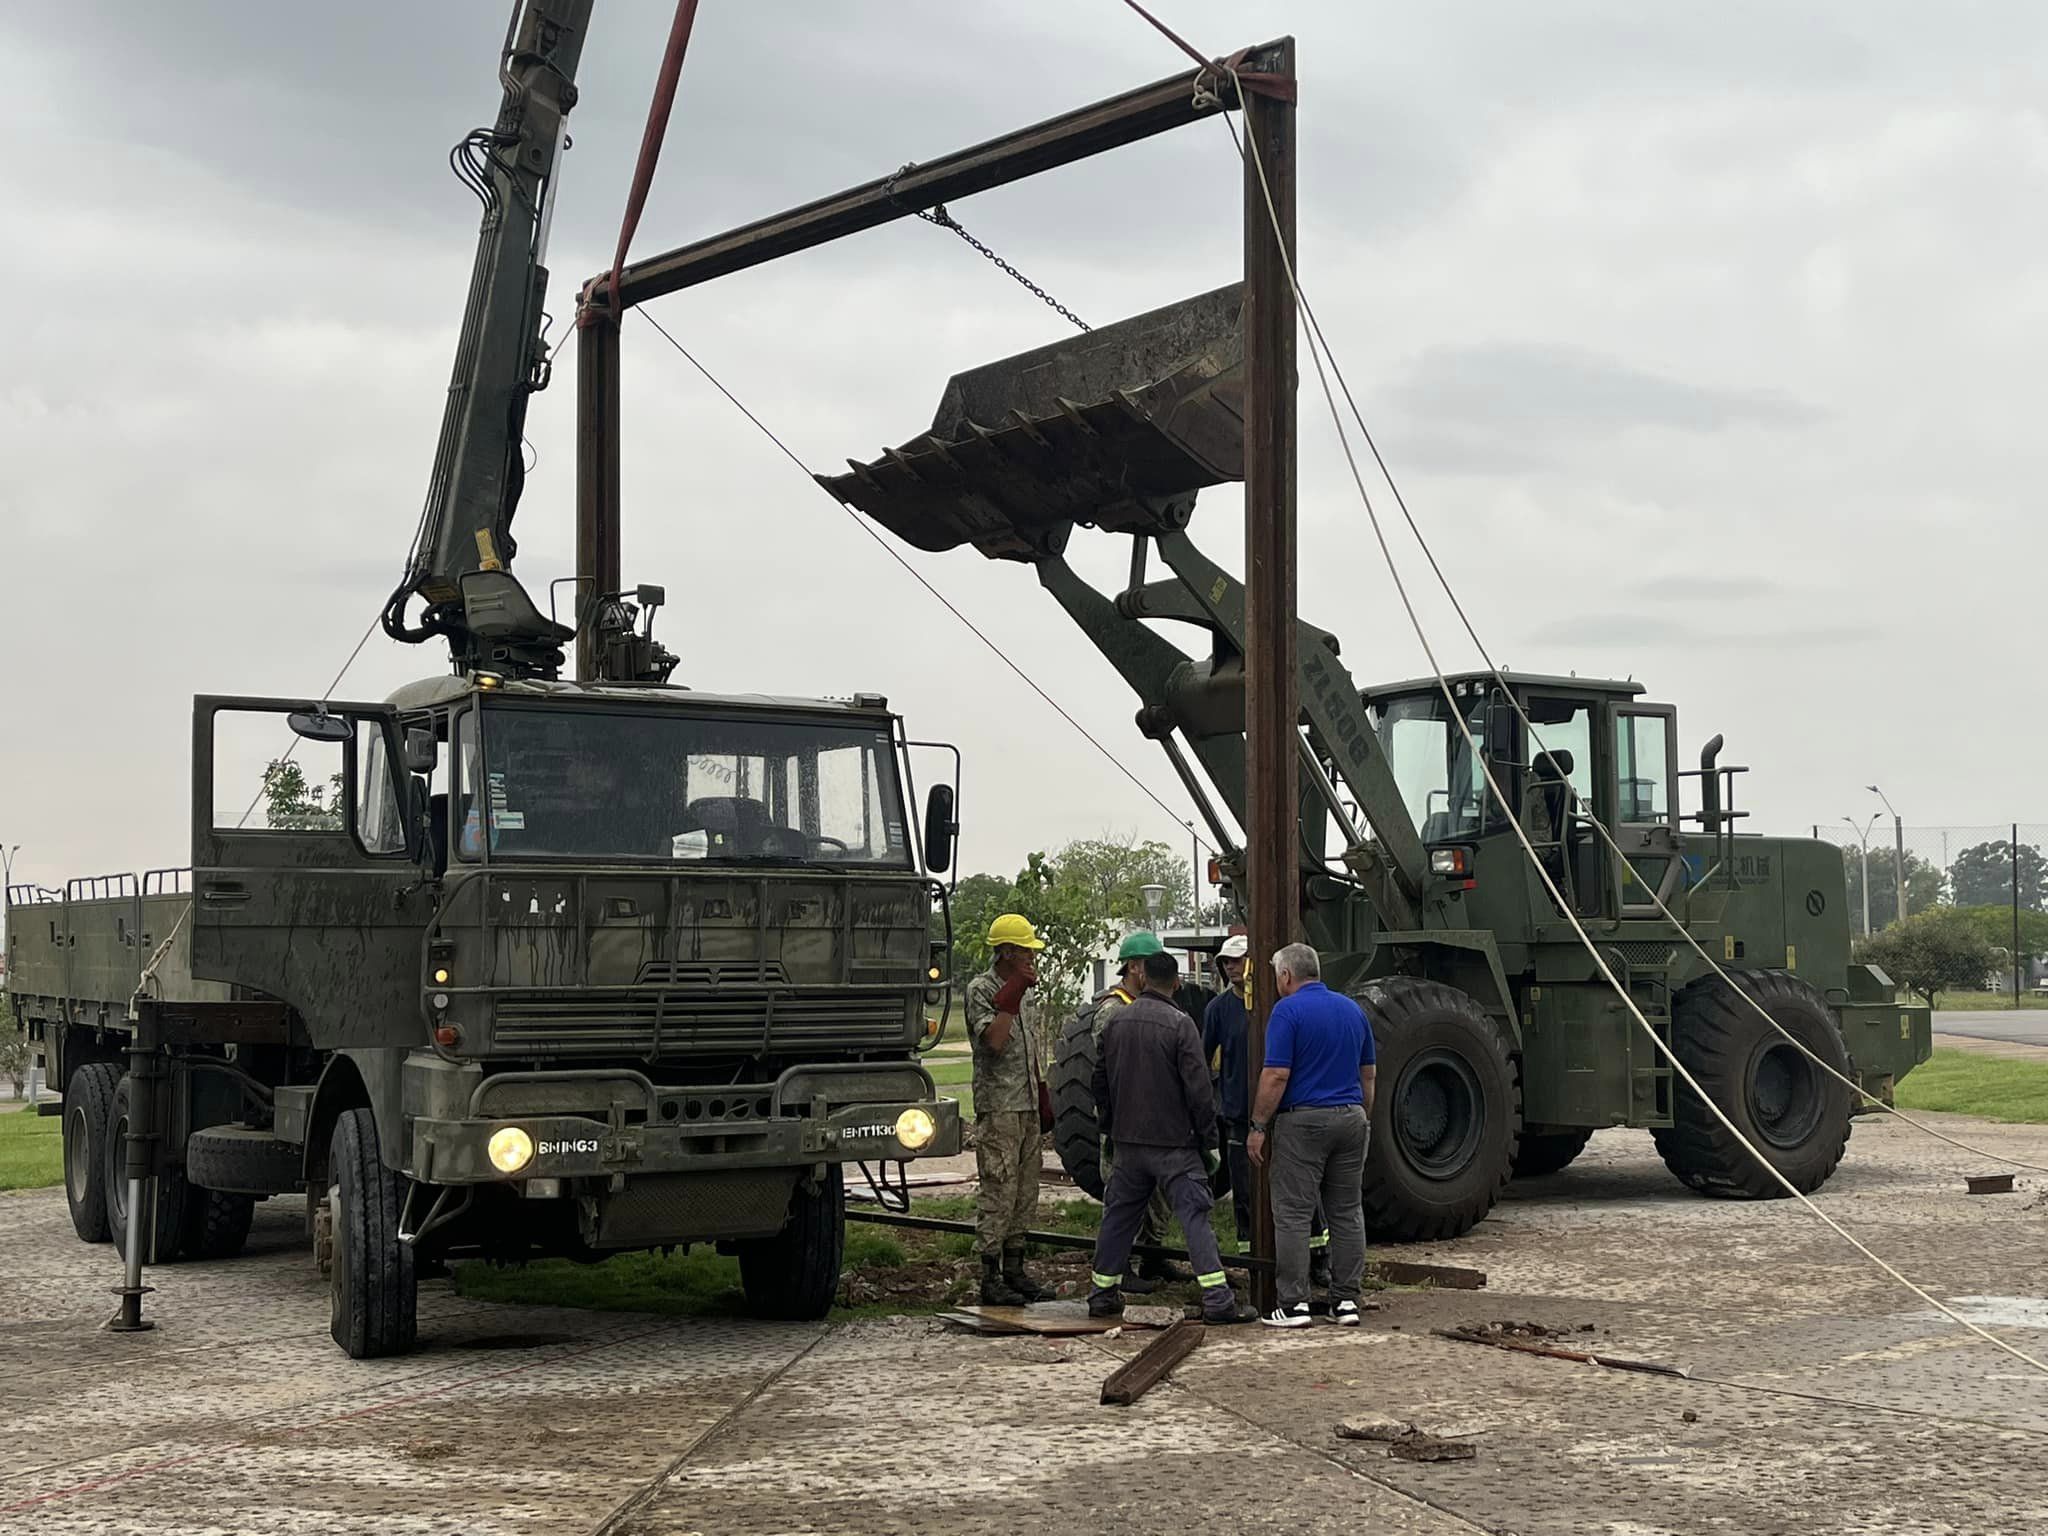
[1074, 1133]
[242, 1160]
[1447, 1116]
[1548, 1152]
[88, 1111]
[164, 1235]
[216, 1223]
[794, 1275]
[1792, 1111]
[372, 1286]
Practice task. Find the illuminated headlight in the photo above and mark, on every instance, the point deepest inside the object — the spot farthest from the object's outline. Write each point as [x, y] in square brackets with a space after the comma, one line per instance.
[915, 1128]
[441, 976]
[1448, 861]
[511, 1149]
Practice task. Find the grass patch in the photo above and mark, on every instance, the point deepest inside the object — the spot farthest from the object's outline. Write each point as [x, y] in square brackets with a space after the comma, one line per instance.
[1981, 1002]
[1964, 1083]
[31, 1150]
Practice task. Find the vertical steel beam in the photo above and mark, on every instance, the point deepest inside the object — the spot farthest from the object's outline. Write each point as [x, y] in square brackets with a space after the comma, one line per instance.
[1272, 689]
[597, 476]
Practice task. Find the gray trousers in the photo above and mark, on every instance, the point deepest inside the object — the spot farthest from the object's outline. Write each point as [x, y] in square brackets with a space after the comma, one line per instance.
[1136, 1173]
[1318, 1162]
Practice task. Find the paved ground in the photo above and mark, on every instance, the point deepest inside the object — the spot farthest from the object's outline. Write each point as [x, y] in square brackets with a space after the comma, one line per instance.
[1824, 1398]
[2028, 1026]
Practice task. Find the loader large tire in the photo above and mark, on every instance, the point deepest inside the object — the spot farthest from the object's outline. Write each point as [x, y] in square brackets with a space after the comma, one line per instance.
[1447, 1115]
[1548, 1152]
[1792, 1111]
[88, 1120]
[1075, 1135]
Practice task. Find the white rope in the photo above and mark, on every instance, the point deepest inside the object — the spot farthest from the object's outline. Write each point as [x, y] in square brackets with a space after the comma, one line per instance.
[1248, 147]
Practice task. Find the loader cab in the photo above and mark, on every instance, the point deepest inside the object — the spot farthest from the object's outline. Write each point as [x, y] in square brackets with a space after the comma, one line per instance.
[1597, 750]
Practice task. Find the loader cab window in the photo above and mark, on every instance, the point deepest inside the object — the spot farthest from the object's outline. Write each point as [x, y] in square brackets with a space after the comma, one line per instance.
[1642, 764]
[1558, 797]
[1443, 789]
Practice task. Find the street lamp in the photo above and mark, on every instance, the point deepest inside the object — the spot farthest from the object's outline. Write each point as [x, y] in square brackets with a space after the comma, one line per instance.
[1863, 836]
[1155, 898]
[1898, 851]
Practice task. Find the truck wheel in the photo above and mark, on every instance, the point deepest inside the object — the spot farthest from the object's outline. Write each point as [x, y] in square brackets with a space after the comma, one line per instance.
[88, 1110]
[1794, 1113]
[242, 1160]
[162, 1236]
[1074, 1133]
[216, 1224]
[374, 1292]
[794, 1275]
[1447, 1116]
[1548, 1152]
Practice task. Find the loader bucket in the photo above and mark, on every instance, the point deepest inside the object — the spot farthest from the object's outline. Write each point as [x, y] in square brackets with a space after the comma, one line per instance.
[1115, 429]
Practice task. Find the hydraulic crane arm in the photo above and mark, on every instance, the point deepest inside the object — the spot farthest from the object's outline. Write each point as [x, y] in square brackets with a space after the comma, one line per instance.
[1120, 429]
[460, 563]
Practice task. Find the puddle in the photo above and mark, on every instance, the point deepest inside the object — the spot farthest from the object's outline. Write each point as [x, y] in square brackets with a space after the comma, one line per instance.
[2002, 1311]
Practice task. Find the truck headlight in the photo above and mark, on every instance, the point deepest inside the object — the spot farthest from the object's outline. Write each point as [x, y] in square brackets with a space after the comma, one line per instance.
[511, 1149]
[915, 1128]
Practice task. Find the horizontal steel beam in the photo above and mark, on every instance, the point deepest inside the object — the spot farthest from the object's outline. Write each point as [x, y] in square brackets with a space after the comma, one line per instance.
[1076, 135]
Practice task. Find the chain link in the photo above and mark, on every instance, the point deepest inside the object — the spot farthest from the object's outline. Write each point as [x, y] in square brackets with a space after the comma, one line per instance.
[938, 215]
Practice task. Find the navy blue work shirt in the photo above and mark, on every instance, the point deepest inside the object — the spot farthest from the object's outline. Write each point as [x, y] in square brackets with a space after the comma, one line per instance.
[1322, 1039]
[1226, 1028]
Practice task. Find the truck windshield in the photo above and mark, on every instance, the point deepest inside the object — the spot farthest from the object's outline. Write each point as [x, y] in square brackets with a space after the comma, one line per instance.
[1432, 765]
[682, 787]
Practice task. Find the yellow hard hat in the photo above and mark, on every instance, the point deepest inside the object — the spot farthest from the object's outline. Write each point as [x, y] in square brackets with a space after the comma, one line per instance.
[1013, 929]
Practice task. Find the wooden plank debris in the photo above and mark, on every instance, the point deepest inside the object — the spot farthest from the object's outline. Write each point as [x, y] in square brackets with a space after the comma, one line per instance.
[1145, 1370]
[1551, 1352]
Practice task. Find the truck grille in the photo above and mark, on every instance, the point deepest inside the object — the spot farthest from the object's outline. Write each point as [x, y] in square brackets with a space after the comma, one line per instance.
[700, 1025]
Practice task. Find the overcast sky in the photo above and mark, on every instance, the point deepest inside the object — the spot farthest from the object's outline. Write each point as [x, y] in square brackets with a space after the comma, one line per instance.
[1705, 339]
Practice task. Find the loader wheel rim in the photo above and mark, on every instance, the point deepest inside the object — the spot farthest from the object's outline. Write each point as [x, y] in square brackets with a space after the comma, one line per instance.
[78, 1154]
[1439, 1113]
[1785, 1101]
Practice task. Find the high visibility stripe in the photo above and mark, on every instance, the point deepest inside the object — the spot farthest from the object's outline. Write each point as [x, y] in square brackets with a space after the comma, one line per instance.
[1106, 1282]
[1321, 1240]
[1211, 1281]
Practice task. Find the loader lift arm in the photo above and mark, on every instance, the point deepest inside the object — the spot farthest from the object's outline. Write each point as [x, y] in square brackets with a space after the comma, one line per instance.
[461, 560]
[1119, 430]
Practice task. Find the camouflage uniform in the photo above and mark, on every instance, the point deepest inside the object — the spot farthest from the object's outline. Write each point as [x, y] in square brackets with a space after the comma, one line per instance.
[1152, 1229]
[1006, 1139]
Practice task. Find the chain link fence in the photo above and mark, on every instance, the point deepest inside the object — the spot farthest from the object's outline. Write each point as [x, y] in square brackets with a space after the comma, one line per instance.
[1997, 873]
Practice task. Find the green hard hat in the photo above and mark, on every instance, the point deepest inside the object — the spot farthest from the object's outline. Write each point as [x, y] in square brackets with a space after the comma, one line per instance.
[1136, 946]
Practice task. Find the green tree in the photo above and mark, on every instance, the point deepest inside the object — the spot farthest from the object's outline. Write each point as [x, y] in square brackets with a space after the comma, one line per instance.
[1923, 885]
[14, 1052]
[291, 802]
[1982, 876]
[1930, 952]
[1115, 871]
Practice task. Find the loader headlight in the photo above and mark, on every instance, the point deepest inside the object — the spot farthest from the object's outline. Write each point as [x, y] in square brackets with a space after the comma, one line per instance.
[915, 1128]
[511, 1149]
[1449, 861]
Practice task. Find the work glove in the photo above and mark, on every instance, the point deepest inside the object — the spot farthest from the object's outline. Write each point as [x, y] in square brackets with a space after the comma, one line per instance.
[1009, 996]
[1211, 1161]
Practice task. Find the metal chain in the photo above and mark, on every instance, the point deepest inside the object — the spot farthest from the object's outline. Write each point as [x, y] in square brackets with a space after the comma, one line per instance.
[937, 215]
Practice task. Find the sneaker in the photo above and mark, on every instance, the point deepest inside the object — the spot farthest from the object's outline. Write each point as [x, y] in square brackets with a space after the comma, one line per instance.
[1295, 1316]
[1345, 1314]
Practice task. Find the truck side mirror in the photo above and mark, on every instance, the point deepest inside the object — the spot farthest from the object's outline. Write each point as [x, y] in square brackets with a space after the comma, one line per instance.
[318, 725]
[419, 750]
[939, 829]
[1500, 730]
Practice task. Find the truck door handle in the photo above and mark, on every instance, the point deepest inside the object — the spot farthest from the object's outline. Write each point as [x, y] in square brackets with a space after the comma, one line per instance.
[223, 895]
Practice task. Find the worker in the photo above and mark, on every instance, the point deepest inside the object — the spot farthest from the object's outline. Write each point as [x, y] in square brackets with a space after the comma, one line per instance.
[1006, 1099]
[1147, 1273]
[1310, 1120]
[1225, 1028]
[1152, 1096]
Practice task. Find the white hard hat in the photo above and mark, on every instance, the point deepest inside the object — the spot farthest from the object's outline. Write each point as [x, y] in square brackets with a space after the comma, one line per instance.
[1236, 947]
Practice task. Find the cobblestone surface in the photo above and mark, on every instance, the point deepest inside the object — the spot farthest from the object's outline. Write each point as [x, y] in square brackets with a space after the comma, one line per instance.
[1821, 1397]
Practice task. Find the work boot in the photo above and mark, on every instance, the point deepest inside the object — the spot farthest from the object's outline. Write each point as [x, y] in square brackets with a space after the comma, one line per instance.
[995, 1290]
[1165, 1271]
[1018, 1278]
[1222, 1306]
[1106, 1301]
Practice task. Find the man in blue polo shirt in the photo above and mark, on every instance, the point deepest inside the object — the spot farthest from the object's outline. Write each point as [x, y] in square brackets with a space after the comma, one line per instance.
[1310, 1120]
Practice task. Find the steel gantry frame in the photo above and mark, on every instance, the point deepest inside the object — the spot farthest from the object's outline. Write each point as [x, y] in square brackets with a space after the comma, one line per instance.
[1266, 77]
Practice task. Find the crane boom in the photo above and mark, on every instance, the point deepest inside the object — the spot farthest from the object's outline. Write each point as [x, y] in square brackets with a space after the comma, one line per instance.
[461, 559]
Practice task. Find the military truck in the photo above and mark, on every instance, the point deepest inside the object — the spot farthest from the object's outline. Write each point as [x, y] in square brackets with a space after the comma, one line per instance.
[553, 967]
[1501, 1048]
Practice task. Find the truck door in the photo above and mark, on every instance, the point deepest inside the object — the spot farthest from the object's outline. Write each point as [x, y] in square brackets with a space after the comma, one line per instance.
[307, 885]
[1645, 771]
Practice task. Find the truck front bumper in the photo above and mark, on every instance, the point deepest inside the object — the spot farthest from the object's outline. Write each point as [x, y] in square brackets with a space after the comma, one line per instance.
[460, 1151]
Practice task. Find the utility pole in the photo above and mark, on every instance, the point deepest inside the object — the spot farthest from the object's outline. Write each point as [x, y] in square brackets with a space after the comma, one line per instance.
[2017, 965]
[1899, 852]
[1195, 875]
[1863, 837]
